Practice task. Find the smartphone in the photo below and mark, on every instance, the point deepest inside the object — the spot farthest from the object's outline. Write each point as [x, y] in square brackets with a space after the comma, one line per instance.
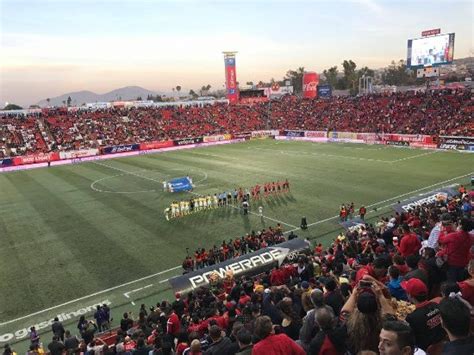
[365, 284]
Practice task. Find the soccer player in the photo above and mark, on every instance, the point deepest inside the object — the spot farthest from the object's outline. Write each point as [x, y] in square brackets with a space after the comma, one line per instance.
[257, 191]
[167, 213]
[260, 211]
[245, 206]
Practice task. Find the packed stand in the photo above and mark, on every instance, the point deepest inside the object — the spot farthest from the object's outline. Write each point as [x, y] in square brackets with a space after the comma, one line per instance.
[437, 112]
[432, 113]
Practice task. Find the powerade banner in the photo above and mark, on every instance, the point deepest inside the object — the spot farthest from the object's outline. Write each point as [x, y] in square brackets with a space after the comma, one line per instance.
[249, 264]
[186, 141]
[180, 184]
[324, 91]
[421, 199]
[293, 133]
[120, 148]
[6, 162]
[457, 143]
[231, 80]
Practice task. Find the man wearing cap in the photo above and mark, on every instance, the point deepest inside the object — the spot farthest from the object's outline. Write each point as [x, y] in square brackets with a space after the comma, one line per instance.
[425, 320]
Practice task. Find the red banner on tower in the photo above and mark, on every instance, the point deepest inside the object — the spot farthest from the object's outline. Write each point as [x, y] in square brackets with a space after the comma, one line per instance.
[310, 85]
[231, 79]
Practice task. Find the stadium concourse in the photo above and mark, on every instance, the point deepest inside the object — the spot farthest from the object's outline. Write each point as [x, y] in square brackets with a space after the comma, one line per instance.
[402, 285]
[446, 112]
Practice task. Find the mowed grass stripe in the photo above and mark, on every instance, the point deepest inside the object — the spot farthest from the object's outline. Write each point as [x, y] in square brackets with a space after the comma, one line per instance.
[23, 243]
[46, 261]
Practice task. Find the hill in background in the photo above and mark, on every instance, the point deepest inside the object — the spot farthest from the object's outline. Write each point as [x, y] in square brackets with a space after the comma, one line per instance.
[80, 97]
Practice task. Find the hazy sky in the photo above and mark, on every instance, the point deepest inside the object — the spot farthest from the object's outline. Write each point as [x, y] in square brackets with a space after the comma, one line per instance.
[52, 47]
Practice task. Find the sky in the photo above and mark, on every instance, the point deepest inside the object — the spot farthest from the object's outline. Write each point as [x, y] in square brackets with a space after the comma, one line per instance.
[49, 48]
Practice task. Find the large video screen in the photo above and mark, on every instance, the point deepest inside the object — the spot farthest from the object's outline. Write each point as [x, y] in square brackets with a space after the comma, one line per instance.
[430, 51]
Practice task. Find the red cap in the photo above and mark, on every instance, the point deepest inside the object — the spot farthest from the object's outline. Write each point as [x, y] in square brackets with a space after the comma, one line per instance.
[177, 295]
[414, 287]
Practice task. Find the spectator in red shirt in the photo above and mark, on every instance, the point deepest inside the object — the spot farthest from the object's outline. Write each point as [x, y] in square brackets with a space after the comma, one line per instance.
[172, 324]
[244, 299]
[467, 286]
[377, 270]
[410, 244]
[457, 246]
[273, 344]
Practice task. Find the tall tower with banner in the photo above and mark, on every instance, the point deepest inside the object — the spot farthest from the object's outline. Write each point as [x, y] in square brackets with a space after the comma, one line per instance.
[231, 77]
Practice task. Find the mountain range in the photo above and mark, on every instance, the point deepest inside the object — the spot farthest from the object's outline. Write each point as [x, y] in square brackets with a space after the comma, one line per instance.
[80, 97]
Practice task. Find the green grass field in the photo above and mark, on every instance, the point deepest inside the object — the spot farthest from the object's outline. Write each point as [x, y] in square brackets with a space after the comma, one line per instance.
[71, 236]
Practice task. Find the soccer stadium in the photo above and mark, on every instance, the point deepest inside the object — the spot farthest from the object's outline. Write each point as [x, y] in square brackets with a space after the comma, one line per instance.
[281, 218]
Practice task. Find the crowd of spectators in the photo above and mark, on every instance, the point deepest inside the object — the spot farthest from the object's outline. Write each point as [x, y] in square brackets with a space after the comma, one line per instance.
[234, 248]
[402, 285]
[437, 112]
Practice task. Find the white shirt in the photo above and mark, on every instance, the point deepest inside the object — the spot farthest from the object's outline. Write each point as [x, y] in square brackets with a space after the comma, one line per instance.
[434, 235]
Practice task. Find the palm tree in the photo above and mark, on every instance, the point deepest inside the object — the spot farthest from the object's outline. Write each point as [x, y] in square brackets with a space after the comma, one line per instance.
[178, 88]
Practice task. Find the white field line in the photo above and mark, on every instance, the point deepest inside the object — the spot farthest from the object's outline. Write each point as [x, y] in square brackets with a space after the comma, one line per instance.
[115, 192]
[413, 156]
[92, 295]
[290, 153]
[179, 266]
[320, 155]
[389, 199]
[127, 294]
